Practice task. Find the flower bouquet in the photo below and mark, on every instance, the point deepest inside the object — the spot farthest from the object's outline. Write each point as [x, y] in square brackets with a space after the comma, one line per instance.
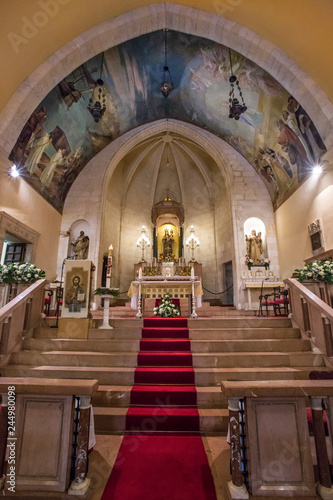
[166, 309]
[265, 262]
[317, 271]
[23, 273]
[248, 262]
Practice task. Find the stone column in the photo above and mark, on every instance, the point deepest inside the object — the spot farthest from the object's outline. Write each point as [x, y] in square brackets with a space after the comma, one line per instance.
[236, 487]
[324, 487]
[81, 483]
[3, 436]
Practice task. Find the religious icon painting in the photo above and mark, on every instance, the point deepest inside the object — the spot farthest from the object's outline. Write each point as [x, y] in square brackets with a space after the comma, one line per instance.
[76, 296]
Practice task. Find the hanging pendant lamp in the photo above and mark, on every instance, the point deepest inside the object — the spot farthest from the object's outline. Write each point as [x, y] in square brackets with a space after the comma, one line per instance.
[235, 107]
[167, 84]
[97, 102]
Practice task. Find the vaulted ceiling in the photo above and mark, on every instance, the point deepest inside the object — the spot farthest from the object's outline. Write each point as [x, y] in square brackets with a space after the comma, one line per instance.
[300, 28]
[275, 134]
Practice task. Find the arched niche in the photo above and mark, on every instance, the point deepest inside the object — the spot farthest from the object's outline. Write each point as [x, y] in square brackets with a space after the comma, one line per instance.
[75, 229]
[257, 225]
[167, 215]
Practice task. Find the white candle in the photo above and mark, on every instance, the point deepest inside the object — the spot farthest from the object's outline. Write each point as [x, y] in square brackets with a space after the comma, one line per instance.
[140, 274]
[192, 272]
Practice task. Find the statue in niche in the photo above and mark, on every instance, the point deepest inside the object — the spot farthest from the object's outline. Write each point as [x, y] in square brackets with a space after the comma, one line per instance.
[81, 246]
[168, 241]
[254, 247]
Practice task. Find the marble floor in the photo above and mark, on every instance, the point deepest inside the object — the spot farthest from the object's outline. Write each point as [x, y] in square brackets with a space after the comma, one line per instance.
[105, 451]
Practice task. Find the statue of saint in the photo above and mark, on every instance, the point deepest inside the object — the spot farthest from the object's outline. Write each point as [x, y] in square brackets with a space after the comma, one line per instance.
[81, 246]
[167, 241]
[254, 246]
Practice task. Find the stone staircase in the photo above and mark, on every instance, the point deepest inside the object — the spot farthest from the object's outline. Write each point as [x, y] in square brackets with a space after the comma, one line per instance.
[243, 348]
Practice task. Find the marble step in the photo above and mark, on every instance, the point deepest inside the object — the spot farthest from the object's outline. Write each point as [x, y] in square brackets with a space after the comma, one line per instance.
[244, 333]
[239, 322]
[115, 396]
[125, 376]
[216, 333]
[200, 360]
[113, 420]
[197, 346]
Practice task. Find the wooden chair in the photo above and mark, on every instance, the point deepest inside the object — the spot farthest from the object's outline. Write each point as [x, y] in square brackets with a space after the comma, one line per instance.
[278, 300]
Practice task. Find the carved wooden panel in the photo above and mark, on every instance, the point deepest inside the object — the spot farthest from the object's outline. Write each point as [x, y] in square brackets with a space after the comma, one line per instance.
[44, 425]
[279, 448]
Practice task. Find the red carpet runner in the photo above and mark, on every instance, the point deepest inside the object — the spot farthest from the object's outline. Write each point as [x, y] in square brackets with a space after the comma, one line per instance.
[153, 463]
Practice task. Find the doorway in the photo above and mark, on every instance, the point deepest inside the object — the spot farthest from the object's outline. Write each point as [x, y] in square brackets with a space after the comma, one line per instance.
[228, 279]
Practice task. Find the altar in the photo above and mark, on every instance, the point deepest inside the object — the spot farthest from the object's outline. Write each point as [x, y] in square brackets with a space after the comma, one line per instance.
[155, 287]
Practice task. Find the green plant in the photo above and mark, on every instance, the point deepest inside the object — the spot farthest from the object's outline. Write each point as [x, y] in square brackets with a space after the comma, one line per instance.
[20, 273]
[317, 270]
[166, 309]
[107, 291]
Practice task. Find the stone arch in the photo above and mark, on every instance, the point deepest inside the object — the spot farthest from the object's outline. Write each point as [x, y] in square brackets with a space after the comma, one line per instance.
[248, 194]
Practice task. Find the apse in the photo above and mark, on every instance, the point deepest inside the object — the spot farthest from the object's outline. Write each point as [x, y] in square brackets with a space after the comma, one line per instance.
[167, 182]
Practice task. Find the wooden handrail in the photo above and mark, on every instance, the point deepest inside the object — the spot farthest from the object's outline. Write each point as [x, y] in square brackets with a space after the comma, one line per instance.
[6, 310]
[311, 297]
[313, 317]
[19, 317]
[31, 385]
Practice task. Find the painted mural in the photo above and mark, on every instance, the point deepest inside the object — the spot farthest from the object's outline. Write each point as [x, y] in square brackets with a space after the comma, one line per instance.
[122, 87]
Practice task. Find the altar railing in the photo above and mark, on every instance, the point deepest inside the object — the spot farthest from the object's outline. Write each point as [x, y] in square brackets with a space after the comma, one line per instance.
[45, 426]
[270, 442]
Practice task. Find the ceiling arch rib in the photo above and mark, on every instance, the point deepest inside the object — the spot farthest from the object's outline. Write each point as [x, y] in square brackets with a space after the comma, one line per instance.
[135, 165]
[156, 172]
[201, 167]
[179, 173]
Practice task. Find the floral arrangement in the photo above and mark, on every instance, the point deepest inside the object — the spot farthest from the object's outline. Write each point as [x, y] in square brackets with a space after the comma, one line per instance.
[166, 309]
[317, 270]
[265, 262]
[249, 262]
[107, 291]
[23, 273]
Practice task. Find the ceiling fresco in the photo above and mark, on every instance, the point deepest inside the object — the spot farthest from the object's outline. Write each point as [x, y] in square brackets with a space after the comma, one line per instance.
[275, 134]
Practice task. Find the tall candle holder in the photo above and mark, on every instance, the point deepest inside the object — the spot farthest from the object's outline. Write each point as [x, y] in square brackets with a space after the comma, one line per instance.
[107, 298]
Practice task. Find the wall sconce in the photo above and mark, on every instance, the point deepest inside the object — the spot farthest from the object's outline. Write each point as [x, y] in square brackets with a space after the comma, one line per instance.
[192, 242]
[143, 243]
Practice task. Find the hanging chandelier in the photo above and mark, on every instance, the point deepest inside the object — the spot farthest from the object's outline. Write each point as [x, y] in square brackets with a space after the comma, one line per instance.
[235, 107]
[97, 102]
[167, 84]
